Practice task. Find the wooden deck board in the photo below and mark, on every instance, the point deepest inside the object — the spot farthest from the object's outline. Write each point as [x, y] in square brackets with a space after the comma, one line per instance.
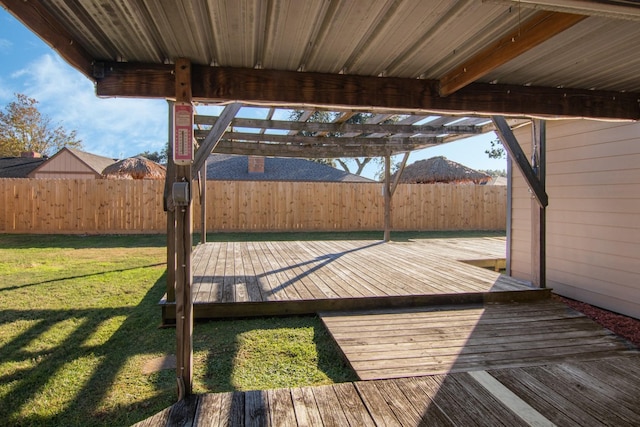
[571, 393]
[301, 273]
[401, 343]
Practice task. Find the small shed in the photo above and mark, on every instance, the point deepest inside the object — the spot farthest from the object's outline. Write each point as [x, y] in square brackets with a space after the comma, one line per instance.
[69, 163]
[441, 170]
[138, 167]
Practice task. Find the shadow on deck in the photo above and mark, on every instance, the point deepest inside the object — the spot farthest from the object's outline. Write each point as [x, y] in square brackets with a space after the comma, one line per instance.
[241, 279]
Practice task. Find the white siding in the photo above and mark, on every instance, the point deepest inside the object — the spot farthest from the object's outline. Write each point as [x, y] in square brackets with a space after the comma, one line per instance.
[593, 217]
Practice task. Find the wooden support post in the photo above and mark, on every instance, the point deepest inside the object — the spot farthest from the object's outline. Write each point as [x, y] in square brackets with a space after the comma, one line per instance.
[538, 212]
[184, 236]
[171, 218]
[387, 198]
[202, 182]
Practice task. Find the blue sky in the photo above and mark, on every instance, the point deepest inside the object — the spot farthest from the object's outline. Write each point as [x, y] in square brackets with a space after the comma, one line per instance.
[122, 127]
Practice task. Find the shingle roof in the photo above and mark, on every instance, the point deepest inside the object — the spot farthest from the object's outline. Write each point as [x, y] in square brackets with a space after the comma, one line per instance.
[95, 162]
[18, 167]
[227, 167]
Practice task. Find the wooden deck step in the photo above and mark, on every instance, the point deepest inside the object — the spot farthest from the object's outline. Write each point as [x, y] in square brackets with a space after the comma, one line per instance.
[398, 343]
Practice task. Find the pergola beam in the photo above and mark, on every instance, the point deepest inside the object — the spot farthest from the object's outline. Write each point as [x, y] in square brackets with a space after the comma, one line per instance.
[365, 92]
[536, 30]
[310, 152]
[213, 136]
[327, 140]
[344, 127]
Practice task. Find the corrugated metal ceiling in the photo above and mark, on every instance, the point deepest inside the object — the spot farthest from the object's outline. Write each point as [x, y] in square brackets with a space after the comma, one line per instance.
[411, 38]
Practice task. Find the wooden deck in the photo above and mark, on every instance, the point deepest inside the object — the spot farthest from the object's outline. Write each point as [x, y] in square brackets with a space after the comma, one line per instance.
[509, 356]
[435, 340]
[303, 277]
[571, 393]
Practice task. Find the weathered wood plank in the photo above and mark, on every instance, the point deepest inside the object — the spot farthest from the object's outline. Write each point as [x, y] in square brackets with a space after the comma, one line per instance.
[281, 409]
[256, 408]
[306, 409]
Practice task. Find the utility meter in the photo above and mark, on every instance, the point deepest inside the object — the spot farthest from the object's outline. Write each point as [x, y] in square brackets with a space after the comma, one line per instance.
[180, 194]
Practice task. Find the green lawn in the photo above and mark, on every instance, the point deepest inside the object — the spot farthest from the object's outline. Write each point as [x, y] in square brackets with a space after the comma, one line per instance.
[79, 319]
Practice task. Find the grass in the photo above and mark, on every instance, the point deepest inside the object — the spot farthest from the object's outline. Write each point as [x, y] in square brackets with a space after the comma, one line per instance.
[80, 319]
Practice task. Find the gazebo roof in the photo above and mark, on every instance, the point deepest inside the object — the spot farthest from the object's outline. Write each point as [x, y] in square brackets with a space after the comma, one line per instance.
[441, 169]
[138, 167]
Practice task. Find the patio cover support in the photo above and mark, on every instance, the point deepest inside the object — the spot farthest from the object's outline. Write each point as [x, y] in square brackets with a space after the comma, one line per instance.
[387, 198]
[171, 216]
[512, 146]
[538, 212]
[202, 184]
[214, 136]
[389, 189]
[184, 275]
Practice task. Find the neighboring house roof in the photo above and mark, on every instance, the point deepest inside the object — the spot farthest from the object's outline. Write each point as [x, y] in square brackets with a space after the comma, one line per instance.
[440, 169]
[18, 167]
[92, 161]
[138, 167]
[95, 162]
[498, 180]
[228, 167]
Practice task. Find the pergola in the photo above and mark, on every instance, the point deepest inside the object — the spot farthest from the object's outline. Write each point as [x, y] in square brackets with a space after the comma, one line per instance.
[528, 58]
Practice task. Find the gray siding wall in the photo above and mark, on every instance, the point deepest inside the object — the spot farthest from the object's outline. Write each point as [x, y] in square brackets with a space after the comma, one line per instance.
[593, 218]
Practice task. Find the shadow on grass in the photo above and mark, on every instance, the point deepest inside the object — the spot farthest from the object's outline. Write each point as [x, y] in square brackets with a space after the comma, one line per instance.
[82, 276]
[138, 334]
[87, 393]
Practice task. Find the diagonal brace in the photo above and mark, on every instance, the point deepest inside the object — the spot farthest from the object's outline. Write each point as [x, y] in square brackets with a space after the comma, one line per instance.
[210, 142]
[510, 144]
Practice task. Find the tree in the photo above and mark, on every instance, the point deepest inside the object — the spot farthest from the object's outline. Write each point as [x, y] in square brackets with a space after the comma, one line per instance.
[24, 128]
[156, 156]
[327, 117]
[496, 151]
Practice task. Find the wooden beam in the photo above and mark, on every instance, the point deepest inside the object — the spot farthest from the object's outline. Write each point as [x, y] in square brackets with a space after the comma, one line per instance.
[538, 213]
[325, 140]
[539, 28]
[399, 172]
[344, 127]
[214, 135]
[170, 178]
[296, 88]
[184, 238]
[202, 183]
[387, 198]
[37, 18]
[311, 152]
[510, 144]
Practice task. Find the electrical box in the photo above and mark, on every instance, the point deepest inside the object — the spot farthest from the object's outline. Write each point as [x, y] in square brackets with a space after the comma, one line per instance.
[183, 133]
[180, 194]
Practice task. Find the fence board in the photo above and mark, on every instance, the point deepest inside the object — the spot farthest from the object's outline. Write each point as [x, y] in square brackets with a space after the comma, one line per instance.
[125, 206]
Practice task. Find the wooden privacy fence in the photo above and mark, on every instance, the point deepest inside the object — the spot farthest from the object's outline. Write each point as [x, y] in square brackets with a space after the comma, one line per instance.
[125, 206]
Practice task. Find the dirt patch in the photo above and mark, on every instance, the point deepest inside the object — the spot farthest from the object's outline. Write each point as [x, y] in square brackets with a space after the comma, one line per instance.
[624, 326]
[159, 364]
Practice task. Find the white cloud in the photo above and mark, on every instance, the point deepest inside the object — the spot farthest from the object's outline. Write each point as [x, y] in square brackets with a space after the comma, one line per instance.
[109, 127]
[5, 45]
